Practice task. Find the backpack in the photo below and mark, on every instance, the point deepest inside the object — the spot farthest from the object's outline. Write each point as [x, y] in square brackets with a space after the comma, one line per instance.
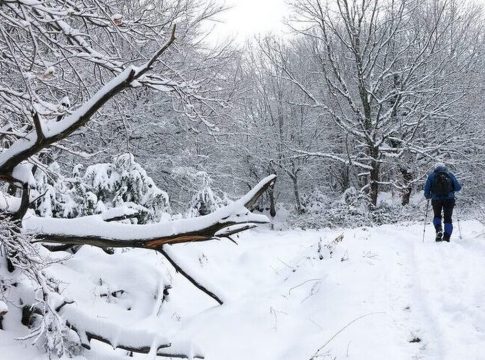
[442, 184]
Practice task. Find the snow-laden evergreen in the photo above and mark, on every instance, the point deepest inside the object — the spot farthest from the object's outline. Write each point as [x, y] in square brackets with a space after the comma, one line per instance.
[121, 187]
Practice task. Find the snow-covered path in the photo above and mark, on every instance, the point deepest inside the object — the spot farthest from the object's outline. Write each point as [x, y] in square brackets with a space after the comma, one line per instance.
[375, 294]
[409, 299]
[453, 289]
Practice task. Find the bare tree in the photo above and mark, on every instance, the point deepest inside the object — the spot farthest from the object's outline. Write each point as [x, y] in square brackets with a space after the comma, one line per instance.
[273, 120]
[387, 68]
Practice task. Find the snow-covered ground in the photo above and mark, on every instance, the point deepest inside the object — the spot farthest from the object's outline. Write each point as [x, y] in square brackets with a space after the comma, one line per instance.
[376, 293]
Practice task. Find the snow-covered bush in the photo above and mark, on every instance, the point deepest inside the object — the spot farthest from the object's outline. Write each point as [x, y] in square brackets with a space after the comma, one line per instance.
[204, 199]
[351, 209]
[122, 184]
[125, 183]
[53, 196]
[314, 201]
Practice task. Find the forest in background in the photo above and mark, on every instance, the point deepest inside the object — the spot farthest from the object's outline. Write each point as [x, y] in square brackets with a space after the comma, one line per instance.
[364, 96]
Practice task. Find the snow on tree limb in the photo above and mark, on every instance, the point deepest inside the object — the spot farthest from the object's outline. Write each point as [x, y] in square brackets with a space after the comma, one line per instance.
[43, 136]
[138, 340]
[332, 157]
[130, 339]
[92, 230]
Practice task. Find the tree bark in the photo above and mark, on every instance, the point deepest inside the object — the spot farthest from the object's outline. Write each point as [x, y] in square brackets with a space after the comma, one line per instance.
[374, 175]
[406, 192]
[296, 193]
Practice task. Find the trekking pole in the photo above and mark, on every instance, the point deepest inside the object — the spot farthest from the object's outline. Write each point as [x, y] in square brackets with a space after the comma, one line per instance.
[458, 220]
[425, 217]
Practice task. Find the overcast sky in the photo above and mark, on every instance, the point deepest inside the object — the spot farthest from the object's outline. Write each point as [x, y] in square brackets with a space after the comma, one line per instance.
[250, 17]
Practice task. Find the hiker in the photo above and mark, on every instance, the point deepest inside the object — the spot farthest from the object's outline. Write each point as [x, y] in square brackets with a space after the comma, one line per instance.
[440, 188]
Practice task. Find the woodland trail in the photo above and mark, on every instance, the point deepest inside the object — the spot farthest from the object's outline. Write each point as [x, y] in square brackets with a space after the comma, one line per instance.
[291, 292]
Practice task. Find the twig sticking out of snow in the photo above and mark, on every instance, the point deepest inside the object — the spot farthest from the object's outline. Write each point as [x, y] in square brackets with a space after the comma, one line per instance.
[316, 353]
[194, 282]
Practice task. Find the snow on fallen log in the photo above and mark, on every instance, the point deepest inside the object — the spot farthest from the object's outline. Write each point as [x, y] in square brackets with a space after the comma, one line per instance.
[92, 230]
[128, 338]
[119, 213]
[133, 338]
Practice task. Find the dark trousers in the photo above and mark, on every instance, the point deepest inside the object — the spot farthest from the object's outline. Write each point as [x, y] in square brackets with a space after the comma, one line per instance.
[445, 207]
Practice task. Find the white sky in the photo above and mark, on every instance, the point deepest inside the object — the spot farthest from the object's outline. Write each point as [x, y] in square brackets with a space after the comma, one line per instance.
[250, 17]
[247, 18]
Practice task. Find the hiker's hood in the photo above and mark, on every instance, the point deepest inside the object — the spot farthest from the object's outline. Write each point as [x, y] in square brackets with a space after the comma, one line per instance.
[440, 167]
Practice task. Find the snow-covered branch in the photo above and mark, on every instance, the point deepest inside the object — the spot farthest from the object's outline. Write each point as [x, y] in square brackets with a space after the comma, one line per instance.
[93, 230]
[141, 340]
[44, 136]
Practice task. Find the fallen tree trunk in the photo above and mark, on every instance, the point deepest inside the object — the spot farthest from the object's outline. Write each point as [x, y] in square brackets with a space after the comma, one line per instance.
[93, 230]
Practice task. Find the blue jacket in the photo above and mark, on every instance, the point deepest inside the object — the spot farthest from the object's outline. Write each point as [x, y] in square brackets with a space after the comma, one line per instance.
[427, 188]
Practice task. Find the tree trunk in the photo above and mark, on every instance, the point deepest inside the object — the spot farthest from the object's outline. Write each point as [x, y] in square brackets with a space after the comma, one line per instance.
[374, 175]
[406, 193]
[296, 192]
[272, 202]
